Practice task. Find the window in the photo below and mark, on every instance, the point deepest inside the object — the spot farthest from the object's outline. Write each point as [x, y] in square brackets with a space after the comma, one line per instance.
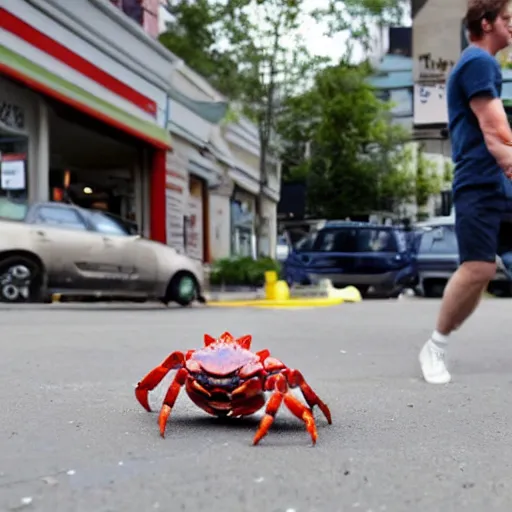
[355, 240]
[12, 210]
[305, 244]
[59, 217]
[439, 240]
[376, 240]
[13, 165]
[106, 225]
[134, 10]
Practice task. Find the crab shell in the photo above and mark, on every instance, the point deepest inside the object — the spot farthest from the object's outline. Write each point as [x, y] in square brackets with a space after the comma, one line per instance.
[228, 379]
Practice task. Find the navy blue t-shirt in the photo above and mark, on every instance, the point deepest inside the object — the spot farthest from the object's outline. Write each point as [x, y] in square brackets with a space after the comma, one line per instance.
[477, 73]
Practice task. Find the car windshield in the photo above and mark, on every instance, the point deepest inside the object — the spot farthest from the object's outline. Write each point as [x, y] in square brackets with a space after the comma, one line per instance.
[12, 210]
[107, 225]
[439, 240]
[350, 239]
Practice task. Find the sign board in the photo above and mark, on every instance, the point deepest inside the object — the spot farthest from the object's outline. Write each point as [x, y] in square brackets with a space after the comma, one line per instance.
[195, 227]
[12, 173]
[430, 105]
[176, 199]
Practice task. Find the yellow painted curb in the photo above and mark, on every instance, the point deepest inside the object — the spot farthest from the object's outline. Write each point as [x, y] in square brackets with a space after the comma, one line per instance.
[287, 303]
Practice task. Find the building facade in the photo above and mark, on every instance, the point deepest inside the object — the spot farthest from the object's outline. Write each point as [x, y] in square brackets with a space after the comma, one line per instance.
[221, 161]
[94, 110]
[83, 108]
[437, 44]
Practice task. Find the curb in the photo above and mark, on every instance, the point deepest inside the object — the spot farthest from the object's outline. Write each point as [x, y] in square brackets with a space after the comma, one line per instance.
[216, 297]
[313, 302]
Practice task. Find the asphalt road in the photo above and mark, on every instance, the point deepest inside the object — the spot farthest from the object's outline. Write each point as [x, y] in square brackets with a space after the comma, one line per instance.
[73, 438]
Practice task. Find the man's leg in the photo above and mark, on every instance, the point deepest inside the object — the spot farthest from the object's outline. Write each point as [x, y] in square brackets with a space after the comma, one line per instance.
[463, 293]
[477, 229]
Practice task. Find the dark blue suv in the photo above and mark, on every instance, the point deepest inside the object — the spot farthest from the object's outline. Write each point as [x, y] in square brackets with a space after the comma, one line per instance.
[361, 254]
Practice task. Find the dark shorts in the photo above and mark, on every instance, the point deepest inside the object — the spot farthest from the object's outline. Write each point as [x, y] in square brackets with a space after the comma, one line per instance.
[478, 215]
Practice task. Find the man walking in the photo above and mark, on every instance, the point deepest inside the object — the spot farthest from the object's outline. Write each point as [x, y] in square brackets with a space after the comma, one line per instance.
[481, 141]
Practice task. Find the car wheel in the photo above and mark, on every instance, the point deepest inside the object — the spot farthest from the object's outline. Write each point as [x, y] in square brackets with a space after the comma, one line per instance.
[182, 289]
[434, 289]
[20, 280]
[363, 290]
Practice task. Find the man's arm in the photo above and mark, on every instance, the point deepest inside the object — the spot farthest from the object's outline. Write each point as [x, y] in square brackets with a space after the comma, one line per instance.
[495, 128]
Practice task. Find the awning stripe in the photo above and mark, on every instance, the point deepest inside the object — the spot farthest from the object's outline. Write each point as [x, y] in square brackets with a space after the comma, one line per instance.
[40, 79]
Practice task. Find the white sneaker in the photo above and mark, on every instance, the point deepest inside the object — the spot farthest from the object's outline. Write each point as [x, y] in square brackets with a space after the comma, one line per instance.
[432, 362]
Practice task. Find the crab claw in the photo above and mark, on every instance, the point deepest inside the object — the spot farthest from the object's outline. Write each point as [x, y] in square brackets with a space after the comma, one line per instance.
[175, 361]
[148, 383]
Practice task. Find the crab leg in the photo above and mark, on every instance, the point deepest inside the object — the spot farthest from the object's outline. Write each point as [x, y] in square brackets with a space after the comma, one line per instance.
[281, 393]
[296, 379]
[303, 413]
[170, 398]
[155, 376]
[279, 386]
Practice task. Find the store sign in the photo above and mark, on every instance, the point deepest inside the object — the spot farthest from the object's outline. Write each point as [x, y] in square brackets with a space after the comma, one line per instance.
[195, 227]
[12, 116]
[430, 105]
[176, 197]
[12, 174]
[433, 69]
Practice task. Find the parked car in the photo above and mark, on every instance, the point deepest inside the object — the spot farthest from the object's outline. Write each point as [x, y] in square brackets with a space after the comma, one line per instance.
[51, 247]
[437, 258]
[361, 254]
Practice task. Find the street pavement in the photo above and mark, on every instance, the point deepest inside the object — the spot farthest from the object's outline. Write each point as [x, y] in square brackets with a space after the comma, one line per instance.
[73, 437]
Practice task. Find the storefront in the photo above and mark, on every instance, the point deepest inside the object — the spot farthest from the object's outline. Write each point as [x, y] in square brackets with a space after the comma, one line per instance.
[243, 228]
[189, 175]
[69, 130]
[95, 166]
[19, 137]
[253, 203]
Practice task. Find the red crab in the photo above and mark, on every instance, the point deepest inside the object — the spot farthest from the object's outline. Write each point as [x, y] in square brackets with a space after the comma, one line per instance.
[224, 378]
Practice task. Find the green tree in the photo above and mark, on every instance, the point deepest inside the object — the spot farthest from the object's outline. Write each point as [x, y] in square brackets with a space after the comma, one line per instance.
[193, 34]
[357, 161]
[358, 17]
[252, 51]
[263, 59]
[428, 181]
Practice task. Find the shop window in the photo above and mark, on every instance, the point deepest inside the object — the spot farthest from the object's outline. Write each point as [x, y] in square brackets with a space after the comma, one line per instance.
[242, 234]
[12, 116]
[13, 165]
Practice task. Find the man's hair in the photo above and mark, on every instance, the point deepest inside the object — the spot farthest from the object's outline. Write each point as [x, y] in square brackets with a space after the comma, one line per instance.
[479, 10]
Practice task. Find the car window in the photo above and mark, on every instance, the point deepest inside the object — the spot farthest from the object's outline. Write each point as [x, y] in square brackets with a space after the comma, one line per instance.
[439, 240]
[335, 240]
[305, 244]
[106, 226]
[377, 240]
[61, 217]
[355, 240]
